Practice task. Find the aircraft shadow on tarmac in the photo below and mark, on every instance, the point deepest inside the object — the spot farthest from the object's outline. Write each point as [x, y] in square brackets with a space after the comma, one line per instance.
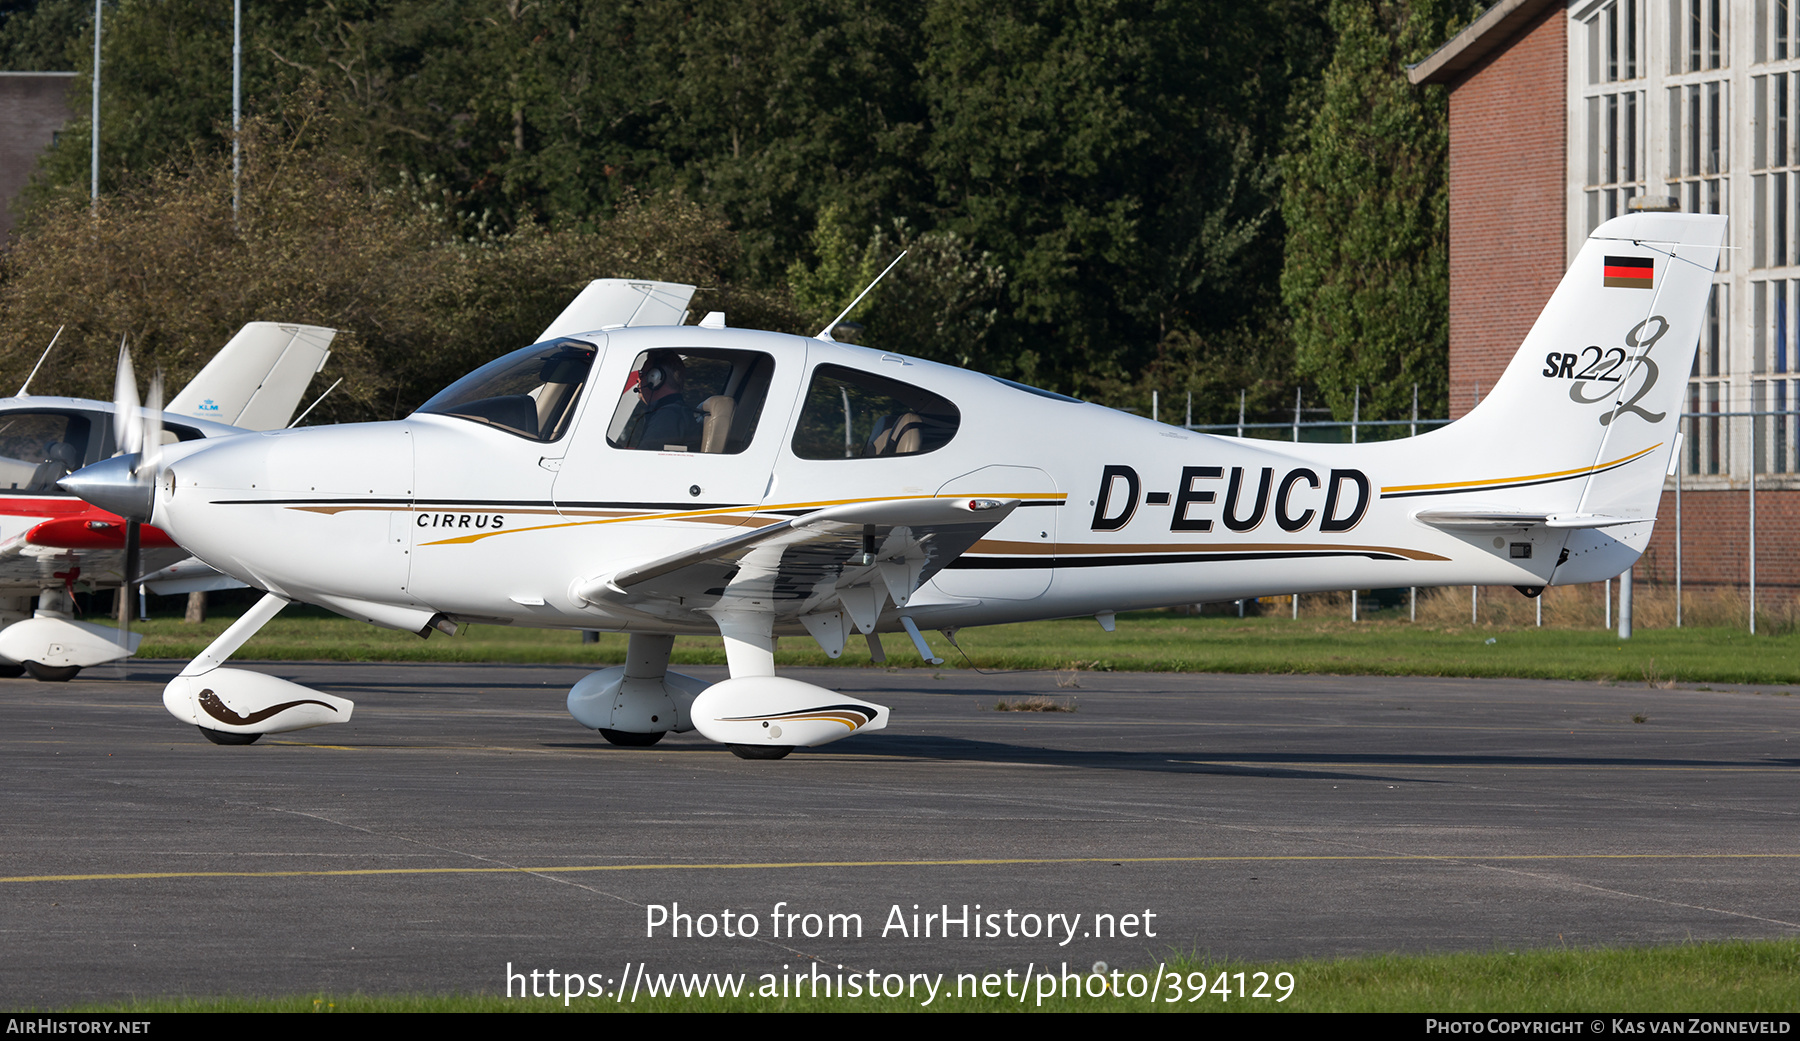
[1318, 765]
[956, 749]
[1324, 766]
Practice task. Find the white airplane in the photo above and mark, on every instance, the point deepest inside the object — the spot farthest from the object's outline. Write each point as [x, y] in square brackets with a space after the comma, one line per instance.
[50, 540]
[702, 479]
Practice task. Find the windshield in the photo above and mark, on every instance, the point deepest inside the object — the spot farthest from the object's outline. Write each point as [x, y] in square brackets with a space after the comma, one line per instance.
[530, 392]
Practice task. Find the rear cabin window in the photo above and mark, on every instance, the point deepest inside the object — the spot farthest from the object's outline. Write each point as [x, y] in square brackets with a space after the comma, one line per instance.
[691, 400]
[851, 414]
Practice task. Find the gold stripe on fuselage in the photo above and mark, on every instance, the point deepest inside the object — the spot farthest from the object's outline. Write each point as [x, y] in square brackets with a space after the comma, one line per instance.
[1501, 482]
[730, 515]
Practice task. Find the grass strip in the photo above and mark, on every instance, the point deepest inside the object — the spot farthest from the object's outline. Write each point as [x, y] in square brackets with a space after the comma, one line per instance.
[1144, 641]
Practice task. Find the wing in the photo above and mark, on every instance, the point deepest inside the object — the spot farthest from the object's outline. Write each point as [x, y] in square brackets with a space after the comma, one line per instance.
[853, 557]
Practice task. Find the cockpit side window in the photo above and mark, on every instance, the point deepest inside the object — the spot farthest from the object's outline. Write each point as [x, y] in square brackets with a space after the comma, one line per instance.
[691, 400]
[37, 449]
[530, 392]
[850, 414]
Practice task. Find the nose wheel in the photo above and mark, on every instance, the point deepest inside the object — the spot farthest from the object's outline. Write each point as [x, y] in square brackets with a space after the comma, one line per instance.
[52, 673]
[220, 737]
[760, 751]
[628, 739]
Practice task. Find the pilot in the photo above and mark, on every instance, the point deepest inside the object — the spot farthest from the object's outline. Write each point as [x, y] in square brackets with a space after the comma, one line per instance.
[667, 424]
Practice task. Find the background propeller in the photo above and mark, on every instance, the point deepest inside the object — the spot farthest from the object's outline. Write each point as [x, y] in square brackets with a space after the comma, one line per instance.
[138, 430]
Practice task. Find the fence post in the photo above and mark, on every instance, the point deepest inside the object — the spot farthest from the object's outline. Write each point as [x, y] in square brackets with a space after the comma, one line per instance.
[1625, 605]
[1752, 527]
[1678, 468]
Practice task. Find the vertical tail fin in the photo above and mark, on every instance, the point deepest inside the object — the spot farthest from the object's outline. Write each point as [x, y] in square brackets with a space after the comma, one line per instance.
[1591, 401]
[257, 379]
[1580, 428]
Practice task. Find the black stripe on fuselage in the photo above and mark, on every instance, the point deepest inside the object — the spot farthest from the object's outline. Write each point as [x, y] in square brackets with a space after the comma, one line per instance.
[968, 563]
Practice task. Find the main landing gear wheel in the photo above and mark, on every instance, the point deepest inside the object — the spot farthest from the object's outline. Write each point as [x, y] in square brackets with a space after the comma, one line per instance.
[760, 751]
[11, 670]
[630, 739]
[220, 737]
[52, 673]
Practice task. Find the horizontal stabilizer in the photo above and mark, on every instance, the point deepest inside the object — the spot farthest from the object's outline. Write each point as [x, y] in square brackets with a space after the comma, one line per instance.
[1490, 520]
[191, 575]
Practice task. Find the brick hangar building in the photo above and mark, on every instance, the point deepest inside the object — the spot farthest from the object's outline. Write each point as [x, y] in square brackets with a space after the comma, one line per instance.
[1564, 114]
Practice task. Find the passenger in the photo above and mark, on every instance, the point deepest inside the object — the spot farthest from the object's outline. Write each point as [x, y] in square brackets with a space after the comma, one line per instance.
[667, 423]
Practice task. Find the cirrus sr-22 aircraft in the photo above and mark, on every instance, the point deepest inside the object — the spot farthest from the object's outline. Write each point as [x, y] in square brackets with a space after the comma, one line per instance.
[698, 479]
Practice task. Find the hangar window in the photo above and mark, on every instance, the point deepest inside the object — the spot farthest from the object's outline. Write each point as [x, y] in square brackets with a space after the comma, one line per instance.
[851, 414]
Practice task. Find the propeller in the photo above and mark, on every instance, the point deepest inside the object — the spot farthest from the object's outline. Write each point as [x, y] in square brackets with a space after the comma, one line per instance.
[149, 465]
[126, 483]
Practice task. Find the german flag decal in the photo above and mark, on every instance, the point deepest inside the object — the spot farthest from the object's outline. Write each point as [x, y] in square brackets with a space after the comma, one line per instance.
[1629, 272]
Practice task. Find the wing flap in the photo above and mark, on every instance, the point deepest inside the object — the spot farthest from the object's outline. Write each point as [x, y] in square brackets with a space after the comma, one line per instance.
[795, 565]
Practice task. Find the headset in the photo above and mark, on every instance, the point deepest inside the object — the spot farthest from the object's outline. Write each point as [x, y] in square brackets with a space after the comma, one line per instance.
[659, 368]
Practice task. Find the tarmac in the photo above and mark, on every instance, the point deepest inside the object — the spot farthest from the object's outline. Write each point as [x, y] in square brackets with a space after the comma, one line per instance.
[462, 831]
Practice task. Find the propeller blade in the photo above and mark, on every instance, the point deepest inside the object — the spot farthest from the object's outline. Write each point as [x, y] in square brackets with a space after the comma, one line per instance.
[153, 427]
[126, 427]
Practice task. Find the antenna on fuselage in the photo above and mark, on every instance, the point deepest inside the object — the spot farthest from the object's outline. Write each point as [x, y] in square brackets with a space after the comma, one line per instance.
[825, 333]
[314, 405]
[40, 364]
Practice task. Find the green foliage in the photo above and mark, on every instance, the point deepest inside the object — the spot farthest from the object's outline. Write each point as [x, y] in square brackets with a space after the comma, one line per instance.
[166, 264]
[940, 302]
[1366, 202]
[35, 35]
[1090, 187]
[1116, 156]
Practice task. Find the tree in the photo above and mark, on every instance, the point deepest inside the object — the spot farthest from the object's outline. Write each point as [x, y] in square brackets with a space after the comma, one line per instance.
[35, 35]
[1091, 186]
[1116, 157]
[1366, 202]
[168, 265]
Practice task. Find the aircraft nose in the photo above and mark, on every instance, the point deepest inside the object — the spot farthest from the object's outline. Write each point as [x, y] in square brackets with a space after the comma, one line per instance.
[112, 485]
